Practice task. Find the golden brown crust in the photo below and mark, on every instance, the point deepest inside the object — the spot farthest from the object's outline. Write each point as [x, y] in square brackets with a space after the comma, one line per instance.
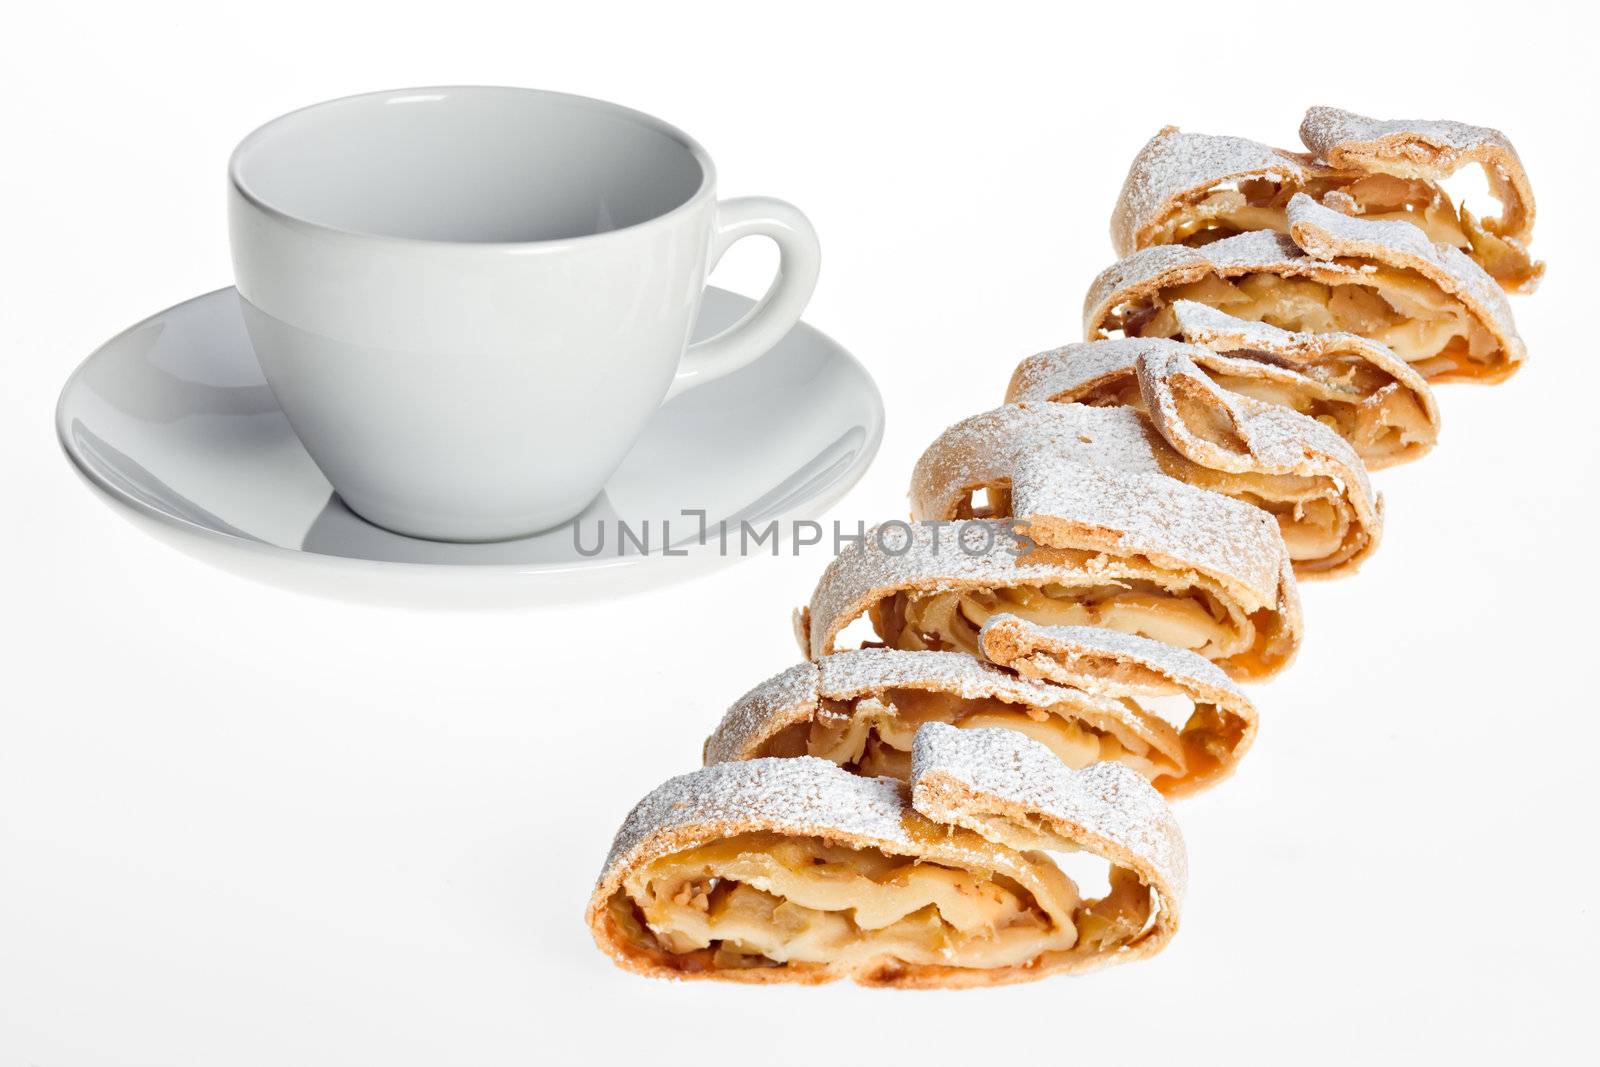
[981, 451]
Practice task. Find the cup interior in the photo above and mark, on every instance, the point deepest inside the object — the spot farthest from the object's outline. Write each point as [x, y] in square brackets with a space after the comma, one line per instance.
[476, 165]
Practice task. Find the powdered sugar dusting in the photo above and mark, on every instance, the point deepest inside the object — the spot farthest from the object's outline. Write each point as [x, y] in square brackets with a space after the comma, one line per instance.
[1067, 373]
[1246, 250]
[1326, 130]
[1174, 172]
[1105, 800]
[1174, 165]
[1160, 517]
[802, 795]
[989, 449]
[983, 449]
[1204, 324]
[787, 696]
[1323, 232]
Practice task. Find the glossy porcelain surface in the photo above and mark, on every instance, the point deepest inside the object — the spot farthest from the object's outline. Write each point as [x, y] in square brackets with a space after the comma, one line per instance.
[469, 301]
[173, 419]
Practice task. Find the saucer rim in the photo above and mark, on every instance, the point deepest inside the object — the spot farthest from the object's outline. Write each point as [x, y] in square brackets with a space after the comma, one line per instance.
[116, 495]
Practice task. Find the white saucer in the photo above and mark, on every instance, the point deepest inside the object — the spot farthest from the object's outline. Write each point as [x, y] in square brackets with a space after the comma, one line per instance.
[173, 420]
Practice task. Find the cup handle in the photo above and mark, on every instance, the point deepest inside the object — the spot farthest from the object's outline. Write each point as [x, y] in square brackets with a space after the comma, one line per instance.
[799, 259]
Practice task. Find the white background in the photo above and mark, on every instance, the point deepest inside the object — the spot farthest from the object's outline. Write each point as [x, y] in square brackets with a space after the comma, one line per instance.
[245, 826]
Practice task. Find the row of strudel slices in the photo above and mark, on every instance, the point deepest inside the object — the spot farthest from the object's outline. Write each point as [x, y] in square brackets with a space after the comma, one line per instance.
[1092, 565]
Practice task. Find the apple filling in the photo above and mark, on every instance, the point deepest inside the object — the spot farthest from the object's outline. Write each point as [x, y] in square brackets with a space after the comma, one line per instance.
[872, 734]
[1193, 617]
[1421, 323]
[1317, 530]
[1261, 204]
[767, 900]
[951, 621]
[1208, 742]
[1319, 527]
[1232, 208]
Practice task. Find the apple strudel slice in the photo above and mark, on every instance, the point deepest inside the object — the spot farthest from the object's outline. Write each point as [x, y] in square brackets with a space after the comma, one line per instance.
[1298, 470]
[795, 870]
[1391, 153]
[1141, 553]
[1361, 389]
[1293, 467]
[1435, 308]
[1192, 189]
[1181, 723]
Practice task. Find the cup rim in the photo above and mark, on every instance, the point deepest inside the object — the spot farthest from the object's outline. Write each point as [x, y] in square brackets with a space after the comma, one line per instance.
[708, 172]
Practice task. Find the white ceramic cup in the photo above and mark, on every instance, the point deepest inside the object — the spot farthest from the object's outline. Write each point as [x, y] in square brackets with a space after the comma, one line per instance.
[469, 301]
